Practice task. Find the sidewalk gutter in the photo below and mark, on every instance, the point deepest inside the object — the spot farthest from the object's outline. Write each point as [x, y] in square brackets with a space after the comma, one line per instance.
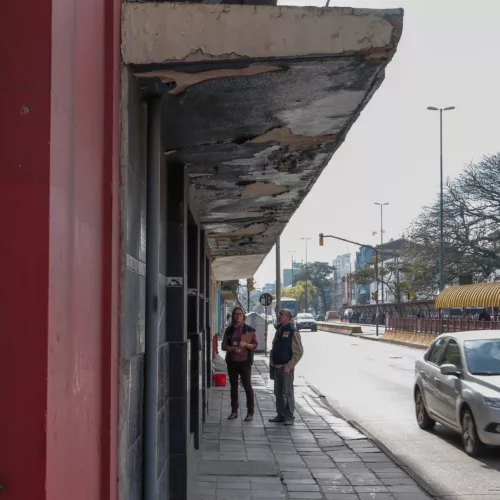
[413, 474]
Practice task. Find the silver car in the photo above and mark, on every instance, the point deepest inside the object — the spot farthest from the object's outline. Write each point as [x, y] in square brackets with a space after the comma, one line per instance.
[306, 321]
[457, 383]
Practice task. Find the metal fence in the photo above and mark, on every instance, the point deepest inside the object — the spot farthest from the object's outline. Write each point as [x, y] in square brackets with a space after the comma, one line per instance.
[440, 325]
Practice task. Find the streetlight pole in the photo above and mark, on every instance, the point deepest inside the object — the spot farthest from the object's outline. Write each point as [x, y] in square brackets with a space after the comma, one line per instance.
[278, 277]
[321, 236]
[441, 202]
[292, 252]
[307, 277]
[382, 205]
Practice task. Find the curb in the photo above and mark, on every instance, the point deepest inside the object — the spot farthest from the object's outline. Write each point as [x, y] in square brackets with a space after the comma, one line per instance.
[379, 339]
[359, 335]
[426, 487]
[405, 344]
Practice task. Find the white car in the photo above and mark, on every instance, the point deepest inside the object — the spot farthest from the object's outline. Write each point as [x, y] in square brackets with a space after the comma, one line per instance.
[306, 321]
[457, 383]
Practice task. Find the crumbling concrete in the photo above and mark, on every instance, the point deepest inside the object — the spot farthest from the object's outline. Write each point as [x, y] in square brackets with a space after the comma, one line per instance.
[256, 101]
[175, 32]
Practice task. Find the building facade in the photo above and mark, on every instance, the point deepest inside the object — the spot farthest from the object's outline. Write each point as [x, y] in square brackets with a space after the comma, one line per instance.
[390, 257]
[342, 267]
[364, 260]
[150, 152]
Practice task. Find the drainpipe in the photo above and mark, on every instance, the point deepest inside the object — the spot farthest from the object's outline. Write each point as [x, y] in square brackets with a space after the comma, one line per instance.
[152, 298]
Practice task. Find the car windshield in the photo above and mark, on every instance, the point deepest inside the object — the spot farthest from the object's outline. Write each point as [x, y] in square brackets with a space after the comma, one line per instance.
[483, 356]
[305, 316]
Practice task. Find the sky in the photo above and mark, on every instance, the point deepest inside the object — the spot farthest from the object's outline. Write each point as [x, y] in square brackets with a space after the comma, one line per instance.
[448, 56]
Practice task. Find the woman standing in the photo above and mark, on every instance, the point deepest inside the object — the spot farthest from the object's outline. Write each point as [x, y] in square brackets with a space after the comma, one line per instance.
[239, 343]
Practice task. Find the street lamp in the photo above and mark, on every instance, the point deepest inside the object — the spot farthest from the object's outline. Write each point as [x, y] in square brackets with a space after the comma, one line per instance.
[292, 252]
[307, 298]
[321, 238]
[382, 205]
[441, 203]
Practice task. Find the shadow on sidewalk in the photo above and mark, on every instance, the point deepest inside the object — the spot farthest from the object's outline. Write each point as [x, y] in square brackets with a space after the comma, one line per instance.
[320, 457]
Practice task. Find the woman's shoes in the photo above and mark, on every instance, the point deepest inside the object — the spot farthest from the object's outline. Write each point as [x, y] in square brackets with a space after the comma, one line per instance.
[233, 416]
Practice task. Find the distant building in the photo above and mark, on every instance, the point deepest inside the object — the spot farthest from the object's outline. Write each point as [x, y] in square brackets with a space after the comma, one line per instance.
[270, 288]
[290, 274]
[287, 277]
[342, 267]
[364, 257]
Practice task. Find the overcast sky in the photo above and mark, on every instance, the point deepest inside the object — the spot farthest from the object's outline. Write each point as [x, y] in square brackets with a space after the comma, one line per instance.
[448, 55]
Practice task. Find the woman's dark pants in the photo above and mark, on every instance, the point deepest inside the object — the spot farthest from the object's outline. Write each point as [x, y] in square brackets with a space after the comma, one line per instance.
[241, 369]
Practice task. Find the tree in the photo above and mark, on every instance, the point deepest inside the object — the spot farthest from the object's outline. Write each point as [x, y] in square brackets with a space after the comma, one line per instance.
[298, 292]
[396, 275]
[471, 222]
[320, 275]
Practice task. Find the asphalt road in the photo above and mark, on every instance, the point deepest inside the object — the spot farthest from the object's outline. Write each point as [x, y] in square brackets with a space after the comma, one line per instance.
[371, 384]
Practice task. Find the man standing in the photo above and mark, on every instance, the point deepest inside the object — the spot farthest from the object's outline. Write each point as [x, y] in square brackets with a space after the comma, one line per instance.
[285, 354]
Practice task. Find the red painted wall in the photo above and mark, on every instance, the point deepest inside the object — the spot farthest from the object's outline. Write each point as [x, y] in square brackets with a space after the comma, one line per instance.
[59, 214]
[24, 223]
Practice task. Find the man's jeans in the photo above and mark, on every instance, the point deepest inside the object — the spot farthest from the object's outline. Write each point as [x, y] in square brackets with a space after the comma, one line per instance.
[283, 390]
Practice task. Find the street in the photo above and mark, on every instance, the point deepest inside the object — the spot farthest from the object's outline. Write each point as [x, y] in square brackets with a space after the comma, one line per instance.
[371, 383]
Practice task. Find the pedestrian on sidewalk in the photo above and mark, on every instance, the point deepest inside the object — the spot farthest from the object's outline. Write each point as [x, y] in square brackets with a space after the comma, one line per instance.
[285, 354]
[240, 340]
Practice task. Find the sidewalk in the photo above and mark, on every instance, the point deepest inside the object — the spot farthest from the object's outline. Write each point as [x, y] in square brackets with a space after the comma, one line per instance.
[320, 457]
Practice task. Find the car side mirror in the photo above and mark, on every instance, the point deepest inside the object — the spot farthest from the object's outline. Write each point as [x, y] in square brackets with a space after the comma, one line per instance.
[451, 370]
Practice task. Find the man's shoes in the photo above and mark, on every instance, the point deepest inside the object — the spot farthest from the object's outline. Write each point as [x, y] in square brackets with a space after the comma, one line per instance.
[249, 418]
[277, 419]
[232, 416]
[289, 421]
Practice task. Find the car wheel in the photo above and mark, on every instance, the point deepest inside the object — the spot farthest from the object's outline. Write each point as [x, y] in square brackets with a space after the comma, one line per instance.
[424, 421]
[470, 440]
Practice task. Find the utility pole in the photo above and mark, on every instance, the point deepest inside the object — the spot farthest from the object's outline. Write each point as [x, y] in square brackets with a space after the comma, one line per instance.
[292, 252]
[307, 276]
[441, 202]
[382, 205]
[278, 277]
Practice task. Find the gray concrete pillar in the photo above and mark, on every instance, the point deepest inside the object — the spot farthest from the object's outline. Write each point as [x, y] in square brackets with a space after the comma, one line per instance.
[193, 333]
[208, 335]
[176, 315]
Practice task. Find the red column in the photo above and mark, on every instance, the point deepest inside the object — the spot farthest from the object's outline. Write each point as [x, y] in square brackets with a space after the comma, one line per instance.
[59, 168]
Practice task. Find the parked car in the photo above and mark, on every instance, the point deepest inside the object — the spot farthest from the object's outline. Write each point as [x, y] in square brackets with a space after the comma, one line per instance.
[320, 317]
[457, 383]
[306, 321]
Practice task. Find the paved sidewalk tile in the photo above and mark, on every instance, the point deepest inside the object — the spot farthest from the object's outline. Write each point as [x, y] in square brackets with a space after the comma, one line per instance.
[321, 457]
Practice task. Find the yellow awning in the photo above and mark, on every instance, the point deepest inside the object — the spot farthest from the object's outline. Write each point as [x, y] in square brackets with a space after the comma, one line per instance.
[480, 295]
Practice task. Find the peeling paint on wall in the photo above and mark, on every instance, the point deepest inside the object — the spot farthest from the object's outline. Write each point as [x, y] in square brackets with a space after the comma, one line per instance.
[285, 137]
[185, 80]
[263, 189]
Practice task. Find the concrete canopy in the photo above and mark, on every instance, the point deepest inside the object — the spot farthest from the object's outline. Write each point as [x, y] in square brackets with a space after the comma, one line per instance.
[257, 100]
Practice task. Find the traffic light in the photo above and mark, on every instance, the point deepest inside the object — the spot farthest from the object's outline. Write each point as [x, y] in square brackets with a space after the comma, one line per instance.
[250, 284]
[321, 239]
[374, 295]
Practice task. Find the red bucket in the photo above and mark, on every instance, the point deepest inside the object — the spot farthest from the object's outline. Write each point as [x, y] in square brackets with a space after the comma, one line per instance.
[220, 379]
